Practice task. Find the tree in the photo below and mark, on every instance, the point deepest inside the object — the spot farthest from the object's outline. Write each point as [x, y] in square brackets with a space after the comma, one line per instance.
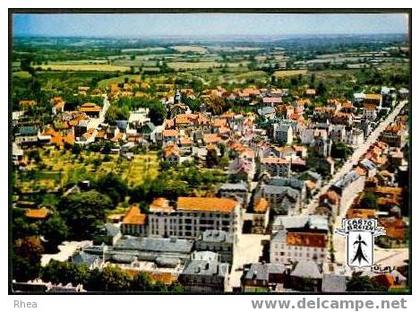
[312, 80]
[30, 248]
[26, 257]
[21, 228]
[176, 288]
[321, 89]
[212, 159]
[95, 147]
[141, 282]
[54, 230]
[25, 63]
[34, 155]
[340, 150]
[369, 200]
[65, 272]
[107, 148]
[157, 113]
[23, 269]
[76, 149]
[115, 113]
[141, 193]
[84, 212]
[109, 279]
[193, 104]
[362, 283]
[113, 186]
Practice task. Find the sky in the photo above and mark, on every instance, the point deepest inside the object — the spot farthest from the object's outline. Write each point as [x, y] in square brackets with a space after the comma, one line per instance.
[205, 24]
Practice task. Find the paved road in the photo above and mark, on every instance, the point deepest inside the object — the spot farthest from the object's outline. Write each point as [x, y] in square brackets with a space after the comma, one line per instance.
[95, 122]
[339, 242]
[358, 152]
[248, 250]
[66, 250]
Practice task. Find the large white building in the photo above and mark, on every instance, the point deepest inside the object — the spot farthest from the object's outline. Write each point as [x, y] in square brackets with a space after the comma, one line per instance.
[192, 216]
[299, 239]
[370, 112]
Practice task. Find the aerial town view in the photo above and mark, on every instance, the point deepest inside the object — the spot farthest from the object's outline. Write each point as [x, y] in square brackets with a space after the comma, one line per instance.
[210, 153]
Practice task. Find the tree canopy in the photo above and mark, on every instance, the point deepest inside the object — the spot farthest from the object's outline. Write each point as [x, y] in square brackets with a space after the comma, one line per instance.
[113, 186]
[84, 212]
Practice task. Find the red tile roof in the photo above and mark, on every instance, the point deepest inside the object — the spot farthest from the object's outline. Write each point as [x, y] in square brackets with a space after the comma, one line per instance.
[40, 213]
[208, 204]
[134, 216]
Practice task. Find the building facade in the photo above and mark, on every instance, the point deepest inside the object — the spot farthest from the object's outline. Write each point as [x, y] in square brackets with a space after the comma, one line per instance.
[195, 215]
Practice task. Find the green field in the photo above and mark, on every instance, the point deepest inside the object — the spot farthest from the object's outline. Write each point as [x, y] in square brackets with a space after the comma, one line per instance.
[62, 167]
[243, 76]
[192, 65]
[289, 73]
[120, 79]
[22, 75]
[77, 62]
[149, 49]
[84, 67]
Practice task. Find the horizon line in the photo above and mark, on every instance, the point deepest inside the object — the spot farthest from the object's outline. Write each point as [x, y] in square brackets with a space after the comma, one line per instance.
[205, 36]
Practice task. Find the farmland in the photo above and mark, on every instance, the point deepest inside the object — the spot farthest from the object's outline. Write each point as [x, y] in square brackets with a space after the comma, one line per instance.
[84, 67]
[192, 65]
[185, 49]
[120, 79]
[289, 73]
[58, 168]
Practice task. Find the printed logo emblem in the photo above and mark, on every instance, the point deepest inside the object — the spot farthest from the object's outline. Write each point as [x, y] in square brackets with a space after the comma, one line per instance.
[360, 234]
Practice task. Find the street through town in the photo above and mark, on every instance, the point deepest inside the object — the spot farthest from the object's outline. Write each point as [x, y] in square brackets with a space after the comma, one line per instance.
[358, 152]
